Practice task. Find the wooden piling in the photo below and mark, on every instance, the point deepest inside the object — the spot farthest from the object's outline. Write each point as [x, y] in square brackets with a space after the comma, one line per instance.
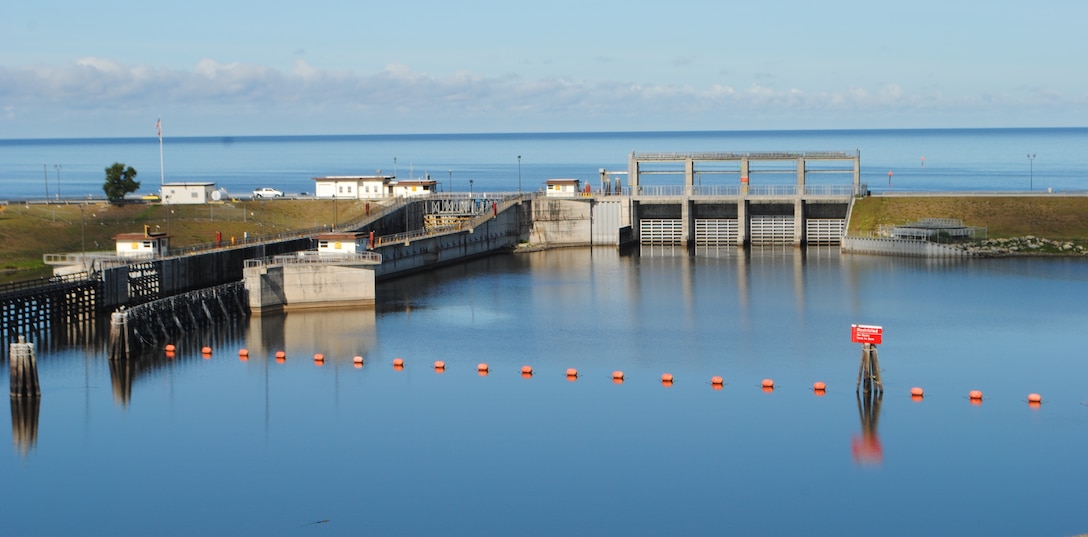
[869, 371]
[118, 336]
[24, 369]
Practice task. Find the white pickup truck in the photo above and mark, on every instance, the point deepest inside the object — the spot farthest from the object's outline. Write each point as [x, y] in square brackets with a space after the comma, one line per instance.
[267, 192]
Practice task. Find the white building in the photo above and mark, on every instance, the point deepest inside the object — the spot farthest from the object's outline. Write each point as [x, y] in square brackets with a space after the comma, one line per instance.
[364, 187]
[414, 187]
[562, 188]
[139, 245]
[189, 193]
[342, 243]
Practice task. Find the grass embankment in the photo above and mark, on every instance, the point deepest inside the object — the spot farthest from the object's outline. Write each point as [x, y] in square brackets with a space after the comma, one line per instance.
[27, 232]
[1059, 218]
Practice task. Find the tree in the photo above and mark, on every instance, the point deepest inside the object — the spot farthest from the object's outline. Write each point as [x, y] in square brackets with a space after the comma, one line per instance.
[120, 180]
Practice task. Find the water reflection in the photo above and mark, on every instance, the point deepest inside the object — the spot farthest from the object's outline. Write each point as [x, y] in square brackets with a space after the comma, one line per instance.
[339, 334]
[867, 449]
[24, 423]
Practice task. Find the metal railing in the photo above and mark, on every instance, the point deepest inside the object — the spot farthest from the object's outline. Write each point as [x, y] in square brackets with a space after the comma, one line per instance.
[310, 257]
[483, 214]
[837, 191]
[751, 155]
[44, 282]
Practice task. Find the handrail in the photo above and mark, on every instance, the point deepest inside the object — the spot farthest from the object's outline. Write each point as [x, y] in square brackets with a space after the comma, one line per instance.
[751, 155]
[310, 257]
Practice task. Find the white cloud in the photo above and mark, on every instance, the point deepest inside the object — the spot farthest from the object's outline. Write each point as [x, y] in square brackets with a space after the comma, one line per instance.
[397, 97]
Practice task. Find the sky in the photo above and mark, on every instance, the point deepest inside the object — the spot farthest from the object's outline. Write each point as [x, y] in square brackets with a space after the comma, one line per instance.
[112, 68]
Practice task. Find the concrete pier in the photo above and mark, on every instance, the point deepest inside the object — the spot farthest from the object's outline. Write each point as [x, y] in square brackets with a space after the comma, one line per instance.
[310, 281]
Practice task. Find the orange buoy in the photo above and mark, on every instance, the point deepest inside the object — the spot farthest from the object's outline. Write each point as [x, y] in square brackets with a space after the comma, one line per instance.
[716, 386]
[481, 372]
[170, 354]
[666, 377]
[666, 383]
[319, 357]
[525, 375]
[281, 355]
[280, 359]
[526, 370]
[482, 368]
[819, 386]
[975, 395]
[398, 367]
[572, 372]
[170, 347]
[439, 364]
[768, 383]
[243, 352]
[1035, 398]
[357, 360]
[916, 398]
[617, 380]
[768, 389]
[917, 392]
[358, 365]
[617, 375]
[205, 350]
[398, 362]
[717, 381]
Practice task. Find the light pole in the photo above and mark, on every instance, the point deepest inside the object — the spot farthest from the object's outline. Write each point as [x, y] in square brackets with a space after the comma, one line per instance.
[57, 166]
[519, 174]
[451, 181]
[470, 188]
[1031, 171]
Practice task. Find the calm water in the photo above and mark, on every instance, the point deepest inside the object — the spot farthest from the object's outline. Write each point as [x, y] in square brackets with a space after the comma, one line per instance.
[222, 446]
[958, 160]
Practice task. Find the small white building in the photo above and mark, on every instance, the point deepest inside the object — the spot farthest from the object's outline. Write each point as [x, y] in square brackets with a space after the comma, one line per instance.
[562, 188]
[333, 243]
[362, 187]
[140, 245]
[413, 187]
[188, 193]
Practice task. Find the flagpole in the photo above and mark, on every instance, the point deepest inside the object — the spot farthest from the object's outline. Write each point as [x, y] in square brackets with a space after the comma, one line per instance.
[162, 171]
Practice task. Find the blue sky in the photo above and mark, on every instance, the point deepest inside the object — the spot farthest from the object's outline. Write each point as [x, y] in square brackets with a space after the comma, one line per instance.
[110, 68]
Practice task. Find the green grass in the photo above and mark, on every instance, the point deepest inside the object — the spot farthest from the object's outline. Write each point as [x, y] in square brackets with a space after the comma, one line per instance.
[27, 232]
[1060, 218]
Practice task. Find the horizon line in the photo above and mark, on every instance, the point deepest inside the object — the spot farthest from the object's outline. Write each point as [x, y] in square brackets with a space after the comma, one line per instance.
[527, 134]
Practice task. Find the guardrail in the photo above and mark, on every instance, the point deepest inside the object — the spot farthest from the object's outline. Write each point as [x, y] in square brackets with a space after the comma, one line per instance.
[318, 258]
[752, 155]
[43, 282]
[843, 191]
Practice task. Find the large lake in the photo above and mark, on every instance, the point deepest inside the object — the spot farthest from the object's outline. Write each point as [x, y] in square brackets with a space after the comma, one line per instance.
[222, 446]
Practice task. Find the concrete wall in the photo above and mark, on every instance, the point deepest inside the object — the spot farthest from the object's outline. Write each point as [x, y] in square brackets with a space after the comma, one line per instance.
[496, 234]
[562, 222]
[196, 271]
[293, 287]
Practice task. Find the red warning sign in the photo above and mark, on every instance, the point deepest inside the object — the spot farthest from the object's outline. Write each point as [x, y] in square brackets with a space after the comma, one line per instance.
[864, 333]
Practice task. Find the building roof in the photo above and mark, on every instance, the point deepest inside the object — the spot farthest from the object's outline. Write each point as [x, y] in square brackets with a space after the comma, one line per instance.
[140, 236]
[417, 182]
[341, 236]
[382, 178]
[563, 181]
